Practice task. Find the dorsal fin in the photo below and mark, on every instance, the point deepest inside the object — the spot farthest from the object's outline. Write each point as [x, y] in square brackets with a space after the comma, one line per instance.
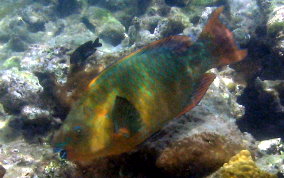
[178, 44]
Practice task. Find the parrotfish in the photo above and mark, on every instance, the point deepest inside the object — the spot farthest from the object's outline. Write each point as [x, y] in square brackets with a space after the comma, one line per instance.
[135, 97]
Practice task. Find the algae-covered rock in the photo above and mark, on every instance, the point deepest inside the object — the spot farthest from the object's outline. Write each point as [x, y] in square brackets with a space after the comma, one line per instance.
[245, 16]
[13, 61]
[272, 163]
[275, 23]
[272, 156]
[177, 22]
[197, 155]
[18, 88]
[112, 33]
[22, 159]
[272, 146]
[204, 2]
[34, 19]
[178, 3]
[53, 60]
[109, 28]
[33, 112]
[275, 26]
[263, 100]
[66, 7]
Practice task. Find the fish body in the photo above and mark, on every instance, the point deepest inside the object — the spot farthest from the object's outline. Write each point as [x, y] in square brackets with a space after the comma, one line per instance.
[135, 97]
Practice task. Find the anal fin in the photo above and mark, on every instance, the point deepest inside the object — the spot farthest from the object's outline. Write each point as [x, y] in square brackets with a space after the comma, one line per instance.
[205, 82]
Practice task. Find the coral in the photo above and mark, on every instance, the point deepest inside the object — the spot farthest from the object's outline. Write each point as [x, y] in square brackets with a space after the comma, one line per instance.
[242, 165]
[198, 155]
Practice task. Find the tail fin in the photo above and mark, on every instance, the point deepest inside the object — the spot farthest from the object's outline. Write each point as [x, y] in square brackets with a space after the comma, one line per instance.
[222, 43]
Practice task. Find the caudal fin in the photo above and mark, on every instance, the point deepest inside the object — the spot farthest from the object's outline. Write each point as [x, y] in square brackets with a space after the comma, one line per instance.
[222, 44]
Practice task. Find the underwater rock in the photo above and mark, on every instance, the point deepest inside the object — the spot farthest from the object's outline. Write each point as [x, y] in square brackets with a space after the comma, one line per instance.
[178, 3]
[272, 146]
[66, 7]
[112, 33]
[32, 112]
[263, 100]
[197, 155]
[157, 24]
[34, 18]
[15, 33]
[19, 88]
[2, 171]
[272, 156]
[11, 62]
[242, 165]
[107, 26]
[245, 17]
[17, 44]
[272, 164]
[42, 59]
[21, 159]
[275, 26]
[177, 22]
[205, 2]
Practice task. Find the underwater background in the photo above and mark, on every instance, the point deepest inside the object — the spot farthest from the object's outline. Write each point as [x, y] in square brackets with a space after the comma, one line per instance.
[237, 129]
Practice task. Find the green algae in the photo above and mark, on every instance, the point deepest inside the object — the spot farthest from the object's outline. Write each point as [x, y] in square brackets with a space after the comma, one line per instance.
[276, 27]
[204, 2]
[10, 63]
[8, 7]
[103, 16]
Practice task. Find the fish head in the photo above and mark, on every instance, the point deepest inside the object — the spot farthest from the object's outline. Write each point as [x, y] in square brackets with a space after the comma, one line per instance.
[81, 139]
[71, 141]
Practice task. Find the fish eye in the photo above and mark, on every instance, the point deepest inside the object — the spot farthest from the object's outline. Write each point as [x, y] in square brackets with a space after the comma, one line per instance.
[77, 129]
[63, 154]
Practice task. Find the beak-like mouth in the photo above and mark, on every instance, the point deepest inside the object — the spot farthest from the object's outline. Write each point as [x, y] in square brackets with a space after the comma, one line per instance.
[59, 149]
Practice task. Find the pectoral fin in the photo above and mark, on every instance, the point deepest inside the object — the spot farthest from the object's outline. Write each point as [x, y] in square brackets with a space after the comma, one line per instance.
[205, 82]
[125, 117]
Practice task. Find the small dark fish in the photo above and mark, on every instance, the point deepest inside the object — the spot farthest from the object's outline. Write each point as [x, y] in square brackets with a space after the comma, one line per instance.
[79, 56]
